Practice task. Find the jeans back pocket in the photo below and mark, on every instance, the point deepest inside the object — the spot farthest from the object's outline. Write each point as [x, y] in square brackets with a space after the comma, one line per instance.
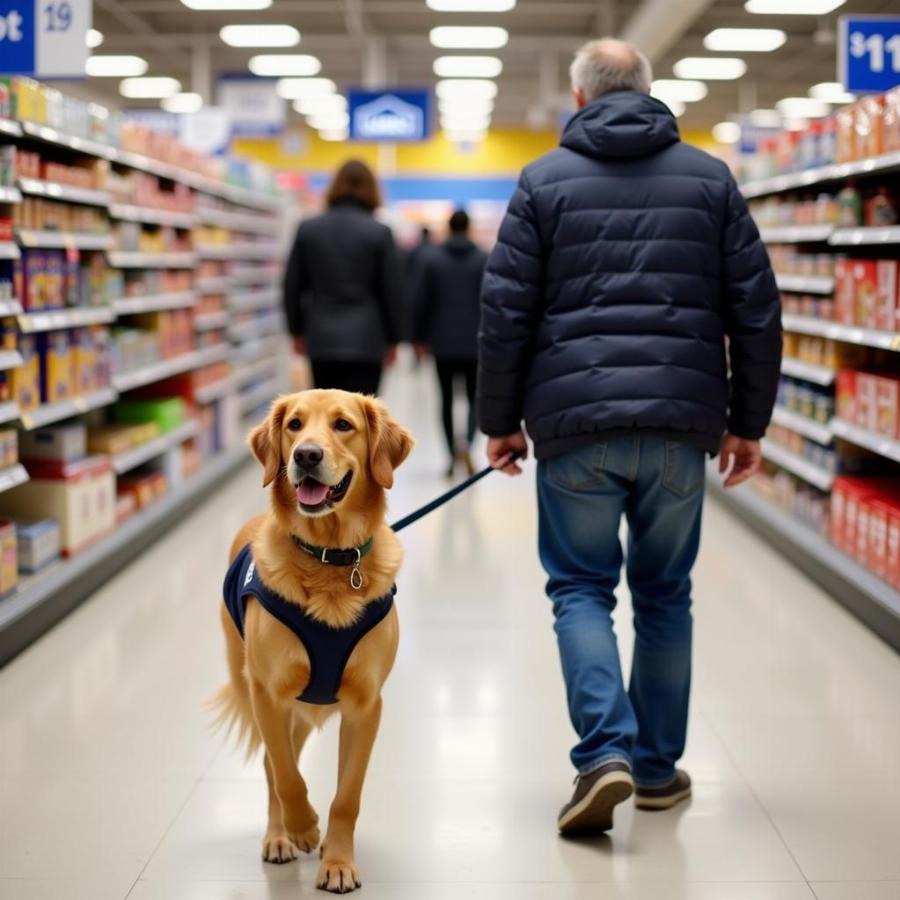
[685, 469]
[578, 470]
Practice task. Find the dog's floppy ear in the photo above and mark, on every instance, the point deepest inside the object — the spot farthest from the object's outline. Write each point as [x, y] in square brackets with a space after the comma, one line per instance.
[389, 442]
[265, 441]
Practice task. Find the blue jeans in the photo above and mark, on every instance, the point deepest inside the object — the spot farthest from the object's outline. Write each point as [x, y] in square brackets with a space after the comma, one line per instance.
[582, 495]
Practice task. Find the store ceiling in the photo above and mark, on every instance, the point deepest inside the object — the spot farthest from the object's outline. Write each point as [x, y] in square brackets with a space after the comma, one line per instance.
[351, 36]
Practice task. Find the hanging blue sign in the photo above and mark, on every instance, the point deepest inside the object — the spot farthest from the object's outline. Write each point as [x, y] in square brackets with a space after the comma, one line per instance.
[869, 53]
[44, 38]
[389, 116]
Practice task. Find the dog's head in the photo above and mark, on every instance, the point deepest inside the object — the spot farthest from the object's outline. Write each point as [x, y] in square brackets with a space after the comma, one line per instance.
[329, 451]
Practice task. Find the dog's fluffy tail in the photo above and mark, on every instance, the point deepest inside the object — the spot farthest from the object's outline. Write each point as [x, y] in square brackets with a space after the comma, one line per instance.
[231, 706]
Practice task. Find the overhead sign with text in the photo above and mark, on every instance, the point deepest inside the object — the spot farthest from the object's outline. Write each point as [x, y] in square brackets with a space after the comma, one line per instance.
[869, 53]
[389, 116]
[44, 38]
[254, 106]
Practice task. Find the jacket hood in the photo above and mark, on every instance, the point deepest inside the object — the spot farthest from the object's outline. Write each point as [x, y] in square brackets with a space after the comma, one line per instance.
[621, 124]
[459, 245]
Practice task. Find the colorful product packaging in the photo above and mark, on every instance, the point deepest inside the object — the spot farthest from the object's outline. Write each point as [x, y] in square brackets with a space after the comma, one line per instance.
[25, 379]
[9, 566]
[61, 443]
[38, 543]
[57, 366]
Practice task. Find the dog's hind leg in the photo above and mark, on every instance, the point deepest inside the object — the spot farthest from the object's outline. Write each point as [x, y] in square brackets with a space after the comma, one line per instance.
[338, 872]
[293, 823]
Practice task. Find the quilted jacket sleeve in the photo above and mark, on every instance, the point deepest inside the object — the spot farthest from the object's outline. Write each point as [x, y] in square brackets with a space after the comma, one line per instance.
[752, 308]
[296, 283]
[510, 307]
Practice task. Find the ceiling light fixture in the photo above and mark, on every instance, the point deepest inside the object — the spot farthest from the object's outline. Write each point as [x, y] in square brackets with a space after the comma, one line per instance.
[93, 38]
[831, 92]
[677, 107]
[467, 67]
[474, 105]
[115, 66]
[260, 35]
[274, 65]
[727, 132]
[150, 88]
[802, 107]
[766, 118]
[710, 68]
[796, 124]
[464, 122]
[187, 102]
[226, 5]
[464, 88]
[755, 40]
[477, 37]
[667, 89]
[792, 7]
[301, 88]
[333, 121]
[471, 5]
[339, 134]
[315, 106]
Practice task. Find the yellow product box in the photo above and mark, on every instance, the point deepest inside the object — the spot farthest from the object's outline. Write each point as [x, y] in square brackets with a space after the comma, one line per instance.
[8, 334]
[9, 558]
[85, 361]
[9, 447]
[57, 366]
[25, 380]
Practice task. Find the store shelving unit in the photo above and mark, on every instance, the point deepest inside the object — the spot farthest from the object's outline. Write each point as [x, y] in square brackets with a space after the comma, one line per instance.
[873, 600]
[250, 249]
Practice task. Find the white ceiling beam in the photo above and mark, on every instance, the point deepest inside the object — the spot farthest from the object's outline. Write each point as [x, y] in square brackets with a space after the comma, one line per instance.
[657, 25]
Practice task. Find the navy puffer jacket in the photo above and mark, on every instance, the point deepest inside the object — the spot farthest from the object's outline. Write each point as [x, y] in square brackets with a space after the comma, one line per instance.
[624, 260]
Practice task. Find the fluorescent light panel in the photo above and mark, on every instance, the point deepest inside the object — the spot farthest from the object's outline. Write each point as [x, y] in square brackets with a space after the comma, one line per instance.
[333, 121]
[710, 68]
[757, 40]
[337, 134]
[685, 91]
[467, 67]
[461, 122]
[150, 88]
[301, 88]
[792, 7]
[677, 107]
[727, 132]
[464, 88]
[260, 35]
[187, 102]
[476, 37]
[94, 38]
[766, 118]
[802, 107]
[315, 106]
[473, 105]
[831, 92]
[471, 5]
[226, 5]
[115, 66]
[278, 65]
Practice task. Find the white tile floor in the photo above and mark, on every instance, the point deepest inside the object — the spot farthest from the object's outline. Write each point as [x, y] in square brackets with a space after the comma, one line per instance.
[111, 784]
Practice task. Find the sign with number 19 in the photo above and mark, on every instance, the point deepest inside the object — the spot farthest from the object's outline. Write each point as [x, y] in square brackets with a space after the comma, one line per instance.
[44, 38]
[869, 50]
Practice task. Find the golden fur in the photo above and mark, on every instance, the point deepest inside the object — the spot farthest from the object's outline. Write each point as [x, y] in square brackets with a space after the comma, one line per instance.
[269, 668]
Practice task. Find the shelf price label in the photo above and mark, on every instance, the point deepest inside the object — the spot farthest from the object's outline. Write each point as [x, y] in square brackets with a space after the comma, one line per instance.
[44, 38]
[869, 53]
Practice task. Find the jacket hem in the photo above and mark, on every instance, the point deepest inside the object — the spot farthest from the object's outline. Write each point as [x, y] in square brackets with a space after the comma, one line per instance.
[558, 446]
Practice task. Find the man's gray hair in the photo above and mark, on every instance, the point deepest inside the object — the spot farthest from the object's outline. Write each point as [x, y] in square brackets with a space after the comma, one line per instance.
[609, 65]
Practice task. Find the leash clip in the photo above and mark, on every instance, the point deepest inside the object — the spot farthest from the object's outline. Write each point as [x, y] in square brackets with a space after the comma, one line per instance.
[356, 579]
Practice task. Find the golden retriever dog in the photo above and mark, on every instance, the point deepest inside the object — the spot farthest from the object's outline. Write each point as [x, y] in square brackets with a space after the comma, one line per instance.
[320, 634]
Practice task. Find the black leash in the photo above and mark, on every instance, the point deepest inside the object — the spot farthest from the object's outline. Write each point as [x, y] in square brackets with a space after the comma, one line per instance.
[449, 495]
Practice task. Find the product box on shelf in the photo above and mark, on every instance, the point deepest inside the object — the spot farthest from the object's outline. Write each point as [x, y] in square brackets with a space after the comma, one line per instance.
[892, 120]
[63, 443]
[79, 495]
[9, 447]
[38, 543]
[114, 439]
[167, 413]
[25, 379]
[57, 366]
[144, 487]
[9, 568]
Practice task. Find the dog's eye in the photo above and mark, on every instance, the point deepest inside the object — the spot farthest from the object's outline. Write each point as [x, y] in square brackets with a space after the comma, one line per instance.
[342, 425]
[294, 424]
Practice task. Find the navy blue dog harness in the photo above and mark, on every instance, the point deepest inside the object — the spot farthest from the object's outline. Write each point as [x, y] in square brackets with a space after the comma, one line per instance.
[328, 648]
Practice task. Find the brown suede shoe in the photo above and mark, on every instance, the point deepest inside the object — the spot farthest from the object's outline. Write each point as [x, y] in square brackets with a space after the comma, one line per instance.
[664, 797]
[595, 797]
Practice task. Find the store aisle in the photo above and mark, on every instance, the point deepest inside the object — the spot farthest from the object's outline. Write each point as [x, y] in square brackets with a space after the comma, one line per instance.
[111, 784]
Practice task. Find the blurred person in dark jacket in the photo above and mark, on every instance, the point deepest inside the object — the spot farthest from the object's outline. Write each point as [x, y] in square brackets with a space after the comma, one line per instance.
[447, 310]
[624, 262]
[344, 294]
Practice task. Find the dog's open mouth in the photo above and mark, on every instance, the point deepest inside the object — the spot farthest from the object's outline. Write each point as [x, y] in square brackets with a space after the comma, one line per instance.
[314, 496]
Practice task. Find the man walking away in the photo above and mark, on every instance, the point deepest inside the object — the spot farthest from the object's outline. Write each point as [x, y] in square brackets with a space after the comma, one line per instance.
[447, 325]
[625, 260]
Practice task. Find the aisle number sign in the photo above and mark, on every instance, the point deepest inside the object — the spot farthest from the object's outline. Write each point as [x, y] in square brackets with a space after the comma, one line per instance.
[869, 48]
[44, 38]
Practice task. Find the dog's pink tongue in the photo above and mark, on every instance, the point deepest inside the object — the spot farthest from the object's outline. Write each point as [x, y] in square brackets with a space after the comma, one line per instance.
[312, 493]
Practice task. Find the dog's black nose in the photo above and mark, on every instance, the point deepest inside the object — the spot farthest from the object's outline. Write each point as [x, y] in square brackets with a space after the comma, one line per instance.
[308, 456]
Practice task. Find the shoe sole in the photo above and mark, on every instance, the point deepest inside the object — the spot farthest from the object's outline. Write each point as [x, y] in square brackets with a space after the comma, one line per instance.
[594, 812]
[658, 803]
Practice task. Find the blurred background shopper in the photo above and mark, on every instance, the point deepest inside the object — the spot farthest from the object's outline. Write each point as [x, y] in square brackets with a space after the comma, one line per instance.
[624, 261]
[447, 310]
[343, 287]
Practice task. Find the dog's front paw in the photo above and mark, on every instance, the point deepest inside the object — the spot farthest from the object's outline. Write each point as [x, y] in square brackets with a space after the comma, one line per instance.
[338, 876]
[279, 848]
[307, 840]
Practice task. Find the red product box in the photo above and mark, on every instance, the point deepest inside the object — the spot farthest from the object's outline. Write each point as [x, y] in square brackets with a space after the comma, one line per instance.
[839, 513]
[886, 304]
[879, 516]
[843, 292]
[846, 394]
[892, 563]
[865, 289]
[866, 393]
[887, 405]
